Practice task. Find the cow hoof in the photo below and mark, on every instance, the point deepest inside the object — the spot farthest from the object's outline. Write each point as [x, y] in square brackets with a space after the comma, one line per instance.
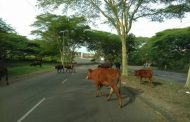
[108, 99]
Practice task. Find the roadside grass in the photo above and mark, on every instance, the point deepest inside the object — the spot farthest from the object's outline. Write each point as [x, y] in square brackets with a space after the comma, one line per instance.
[23, 69]
[167, 95]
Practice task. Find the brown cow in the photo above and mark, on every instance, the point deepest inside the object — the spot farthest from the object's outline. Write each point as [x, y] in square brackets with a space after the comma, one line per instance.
[3, 71]
[144, 73]
[70, 67]
[106, 77]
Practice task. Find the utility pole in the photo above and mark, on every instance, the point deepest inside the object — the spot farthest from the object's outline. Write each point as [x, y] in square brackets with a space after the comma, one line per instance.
[63, 48]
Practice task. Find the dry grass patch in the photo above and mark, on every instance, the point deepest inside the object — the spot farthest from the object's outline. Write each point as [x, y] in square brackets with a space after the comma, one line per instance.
[167, 95]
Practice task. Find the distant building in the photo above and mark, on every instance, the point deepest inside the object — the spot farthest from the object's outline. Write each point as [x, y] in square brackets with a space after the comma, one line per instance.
[84, 55]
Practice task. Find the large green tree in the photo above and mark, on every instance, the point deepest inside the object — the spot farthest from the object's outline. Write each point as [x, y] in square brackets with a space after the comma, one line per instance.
[141, 49]
[5, 30]
[108, 44]
[122, 13]
[66, 32]
[14, 46]
[4, 27]
[172, 48]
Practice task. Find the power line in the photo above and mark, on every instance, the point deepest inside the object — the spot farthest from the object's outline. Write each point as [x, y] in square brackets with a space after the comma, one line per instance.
[32, 6]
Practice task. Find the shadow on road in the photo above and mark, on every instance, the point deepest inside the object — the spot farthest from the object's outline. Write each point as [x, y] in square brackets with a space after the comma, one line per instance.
[129, 94]
[154, 84]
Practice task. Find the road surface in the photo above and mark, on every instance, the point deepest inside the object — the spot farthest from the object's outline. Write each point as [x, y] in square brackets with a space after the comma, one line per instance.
[68, 97]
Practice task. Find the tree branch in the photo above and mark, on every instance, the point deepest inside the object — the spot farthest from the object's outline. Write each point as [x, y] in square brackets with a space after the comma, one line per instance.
[103, 13]
[133, 13]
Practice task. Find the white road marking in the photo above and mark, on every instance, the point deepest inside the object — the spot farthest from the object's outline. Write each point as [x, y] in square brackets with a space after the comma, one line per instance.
[187, 92]
[64, 81]
[25, 115]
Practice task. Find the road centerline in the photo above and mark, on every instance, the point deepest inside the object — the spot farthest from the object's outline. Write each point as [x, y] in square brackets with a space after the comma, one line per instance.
[64, 81]
[32, 109]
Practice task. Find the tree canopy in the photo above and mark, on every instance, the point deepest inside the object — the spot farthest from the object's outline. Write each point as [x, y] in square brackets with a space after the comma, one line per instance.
[169, 48]
[122, 13]
[4, 27]
[66, 32]
[14, 46]
[173, 48]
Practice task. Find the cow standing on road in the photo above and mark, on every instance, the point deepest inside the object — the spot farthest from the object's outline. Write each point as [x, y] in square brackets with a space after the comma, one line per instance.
[106, 77]
[3, 71]
[70, 67]
[59, 68]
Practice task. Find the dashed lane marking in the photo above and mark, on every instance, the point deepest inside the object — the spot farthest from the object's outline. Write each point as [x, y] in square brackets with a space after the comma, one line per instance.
[32, 109]
[64, 81]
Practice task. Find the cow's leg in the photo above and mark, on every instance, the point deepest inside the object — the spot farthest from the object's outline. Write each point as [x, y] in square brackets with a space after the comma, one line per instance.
[150, 80]
[119, 84]
[140, 80]
[149, 85]
[97, 90]
[110, 94]
[100, 93]
[115, 89]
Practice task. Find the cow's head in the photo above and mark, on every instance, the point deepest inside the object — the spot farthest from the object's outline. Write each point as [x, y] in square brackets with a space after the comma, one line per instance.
[89, 74]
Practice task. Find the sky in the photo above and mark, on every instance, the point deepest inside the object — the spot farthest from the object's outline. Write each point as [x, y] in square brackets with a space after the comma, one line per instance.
[20, 14]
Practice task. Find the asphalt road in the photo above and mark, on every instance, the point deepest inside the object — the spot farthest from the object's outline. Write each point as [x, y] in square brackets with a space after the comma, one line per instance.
[68, 97]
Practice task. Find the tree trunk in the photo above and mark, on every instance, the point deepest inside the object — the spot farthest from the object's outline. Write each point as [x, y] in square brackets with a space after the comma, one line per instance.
[187, 85]
[124, 57]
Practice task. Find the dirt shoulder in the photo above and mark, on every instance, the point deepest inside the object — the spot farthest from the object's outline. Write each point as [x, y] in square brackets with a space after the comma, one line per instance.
[168, 98]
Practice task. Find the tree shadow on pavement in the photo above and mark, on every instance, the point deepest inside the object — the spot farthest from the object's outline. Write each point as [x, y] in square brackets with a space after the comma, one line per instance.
[154, 84]
[130, 93]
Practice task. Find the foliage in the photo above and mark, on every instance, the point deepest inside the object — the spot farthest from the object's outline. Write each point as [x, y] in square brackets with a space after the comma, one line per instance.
[67, 33]
[173, 48]
[169, 48]
[4, 27]
[141, 51]
[14, 46]
[107, 44]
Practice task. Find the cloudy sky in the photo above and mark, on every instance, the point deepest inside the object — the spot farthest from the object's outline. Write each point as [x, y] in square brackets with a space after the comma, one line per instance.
[20, 14]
